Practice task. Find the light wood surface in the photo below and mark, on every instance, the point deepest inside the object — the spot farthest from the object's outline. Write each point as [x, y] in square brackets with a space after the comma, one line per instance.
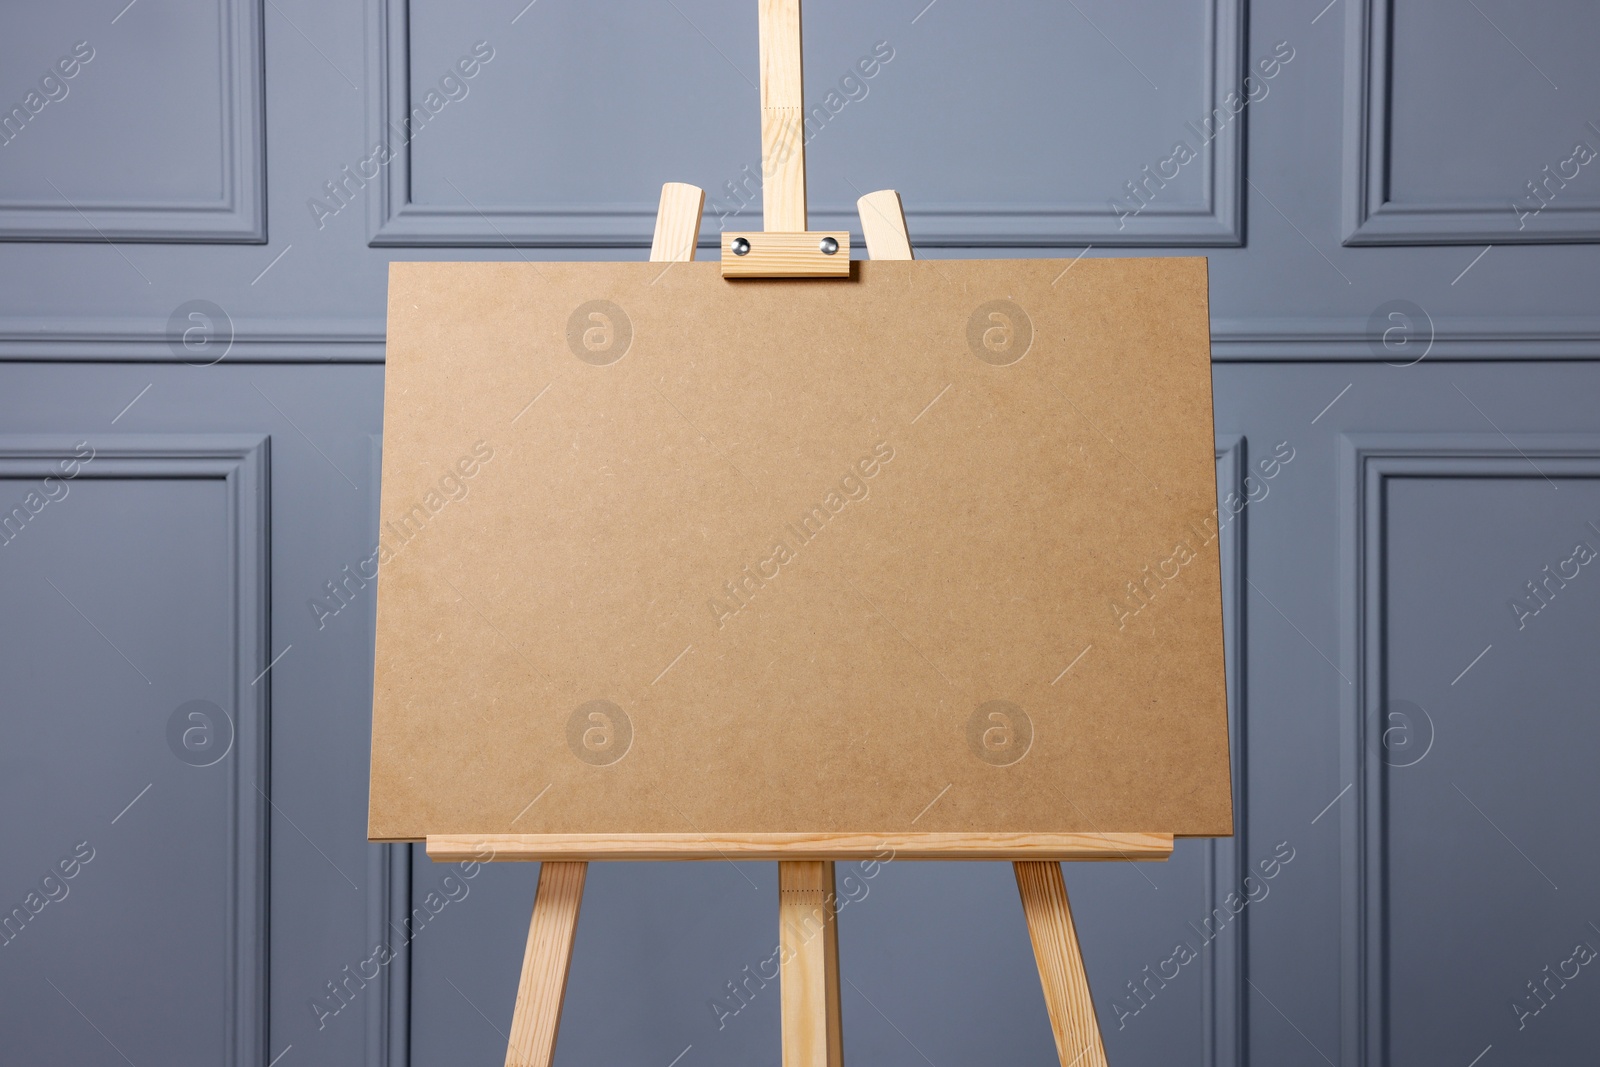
[677, 223]
[447, 848]
[883, 224]
[1061, 973]
[786, 255]
[543, 984]
[808, 933]
[783, 136]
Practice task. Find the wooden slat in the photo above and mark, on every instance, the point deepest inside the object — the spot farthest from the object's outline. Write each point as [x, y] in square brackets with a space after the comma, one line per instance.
[1061, 973]
[883, 224]
[783, 138]
[677, 223]
[544, 965]
[789, 846]
[786, 255]
[808, 933]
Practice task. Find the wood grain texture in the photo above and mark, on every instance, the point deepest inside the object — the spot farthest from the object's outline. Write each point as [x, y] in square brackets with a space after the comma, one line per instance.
[484, 848]
[677, 223]
[543, 984]
[883, 224]
[808, 932]
[783, 152]
[787, 255]
[1061, 973]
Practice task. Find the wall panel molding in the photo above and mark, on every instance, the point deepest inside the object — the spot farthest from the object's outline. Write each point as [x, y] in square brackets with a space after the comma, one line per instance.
[388, 1018]
[1233, 340]
[1369, 217]
[241, 463]
[394, 221]
[1309, 339]
[1224, 1005]
[239, 217]
[1365, 463]
[287, 339]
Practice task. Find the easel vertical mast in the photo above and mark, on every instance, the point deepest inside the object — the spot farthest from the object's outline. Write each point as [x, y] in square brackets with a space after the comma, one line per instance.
[783, 119]
[784, 248]
[808, 922]
[808, 932]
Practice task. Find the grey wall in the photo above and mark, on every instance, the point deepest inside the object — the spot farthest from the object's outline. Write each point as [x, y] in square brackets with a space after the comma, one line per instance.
[176, 307]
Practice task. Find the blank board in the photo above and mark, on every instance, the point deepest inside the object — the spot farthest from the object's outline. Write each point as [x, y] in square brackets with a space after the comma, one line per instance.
[929, 549]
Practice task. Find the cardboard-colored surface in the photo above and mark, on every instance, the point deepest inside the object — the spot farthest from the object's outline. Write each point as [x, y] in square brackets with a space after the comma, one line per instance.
[929, 549]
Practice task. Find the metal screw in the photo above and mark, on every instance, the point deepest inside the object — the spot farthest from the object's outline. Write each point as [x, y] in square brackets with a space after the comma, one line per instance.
[829, 246]
[741, 247]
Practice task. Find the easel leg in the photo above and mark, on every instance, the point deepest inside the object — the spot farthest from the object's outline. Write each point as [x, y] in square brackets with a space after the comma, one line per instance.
[544, 964]
[1055, 948]
[808, 932]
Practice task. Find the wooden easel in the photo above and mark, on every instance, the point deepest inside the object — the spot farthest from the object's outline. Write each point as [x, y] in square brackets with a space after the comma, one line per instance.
[809, 969]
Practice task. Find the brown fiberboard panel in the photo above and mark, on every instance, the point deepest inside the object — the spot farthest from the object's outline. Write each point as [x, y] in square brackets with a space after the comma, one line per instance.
[928, 549]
